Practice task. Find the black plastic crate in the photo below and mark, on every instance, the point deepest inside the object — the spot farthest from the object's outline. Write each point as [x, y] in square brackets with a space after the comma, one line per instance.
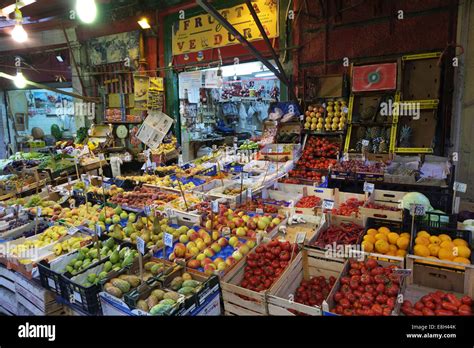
[431, 220]
[50, 279]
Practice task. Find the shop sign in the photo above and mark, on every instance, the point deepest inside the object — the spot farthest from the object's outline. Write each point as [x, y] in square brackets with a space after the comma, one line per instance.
[204, 32]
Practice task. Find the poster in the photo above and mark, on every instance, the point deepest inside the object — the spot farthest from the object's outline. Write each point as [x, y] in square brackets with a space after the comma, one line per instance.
[141, 85]
[190, 82]
[156, 94]
[154, 129]
[205, 32]
[114, 48]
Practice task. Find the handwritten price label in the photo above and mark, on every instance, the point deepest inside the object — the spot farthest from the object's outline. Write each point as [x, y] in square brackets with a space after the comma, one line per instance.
[98, 230]
[365, 142]
[369, 187]
[141, 245]
[168, 239]
[72, 230]
[417, 209]
[328, 204]
[459, 187]
[215, 206]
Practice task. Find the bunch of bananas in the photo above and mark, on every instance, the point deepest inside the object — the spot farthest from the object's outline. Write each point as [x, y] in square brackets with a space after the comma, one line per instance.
[71, 244]
[51, 235]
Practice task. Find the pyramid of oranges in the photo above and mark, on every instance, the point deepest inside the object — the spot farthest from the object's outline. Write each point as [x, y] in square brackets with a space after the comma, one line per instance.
[442, 247]
[383, 241]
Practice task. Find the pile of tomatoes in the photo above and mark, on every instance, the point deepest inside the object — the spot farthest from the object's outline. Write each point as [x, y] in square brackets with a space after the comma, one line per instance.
[308, 202]
[367, 290]
[314, 291]
[319, 163]
[320, 147]
[306, 174]
[348, 207]
[438, 303]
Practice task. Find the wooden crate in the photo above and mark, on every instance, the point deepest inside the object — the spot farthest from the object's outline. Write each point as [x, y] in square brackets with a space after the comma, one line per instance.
[254, 303]
[308, 264]
[384, 197]
[337, 220]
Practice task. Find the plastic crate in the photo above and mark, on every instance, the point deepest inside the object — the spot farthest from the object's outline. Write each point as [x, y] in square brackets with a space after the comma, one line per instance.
[50, 279]
[431, 220]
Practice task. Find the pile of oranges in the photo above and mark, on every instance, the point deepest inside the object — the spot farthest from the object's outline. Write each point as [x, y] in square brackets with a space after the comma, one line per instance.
[442, 247]
[383, 241]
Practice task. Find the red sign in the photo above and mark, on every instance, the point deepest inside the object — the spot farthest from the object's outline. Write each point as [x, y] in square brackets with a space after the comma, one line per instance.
[375, 77]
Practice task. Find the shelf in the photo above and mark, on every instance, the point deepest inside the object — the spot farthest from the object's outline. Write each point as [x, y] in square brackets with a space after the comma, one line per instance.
[122, 122]
[336, 133]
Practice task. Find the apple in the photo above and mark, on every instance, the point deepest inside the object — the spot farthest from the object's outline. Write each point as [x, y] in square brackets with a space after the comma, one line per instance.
[194, 264]
[230, 261]
[276, 221]
[172, 257]
[190, 245]
[222, 242]
[215, 235]
[240, 232]
[218, 260]
[203, 234]
[179, 250]
[209, 269]
[251, 243]
[216, 247]
[201, 245]
[246, 218]
[237, 255]
[205, 261]
[244, 249]
[209, 252]
[262, 224]
[251, 225]
[207, 240]
[233, 240]
[208, 224]
[200, 257]
[183, 238]
[194, 251]
[221, 266]
[251, 234]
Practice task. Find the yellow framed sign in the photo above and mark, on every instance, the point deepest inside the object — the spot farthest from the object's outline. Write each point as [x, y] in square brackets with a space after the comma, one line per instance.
[204, 32]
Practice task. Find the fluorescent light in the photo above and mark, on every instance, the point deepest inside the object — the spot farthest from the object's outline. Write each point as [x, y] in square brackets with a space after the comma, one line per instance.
[19, 34]
[19, 80]
[60, 58]
[265, 74]
[144, 23]
[86, 10]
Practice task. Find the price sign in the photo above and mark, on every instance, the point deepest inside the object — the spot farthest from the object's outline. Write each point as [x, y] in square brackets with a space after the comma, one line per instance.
[180, 160]
[168, 239]
[147, 210]
[365, 142]
[345, 110]
[300, 237]
[141, 245]
[345, 157]
[215, 206]
[38, 211]
[69, 180]
[259, 211]
[249, 193]
[72, 230]
[459, 187]
[417, 209]
[369, 187]
[101, 157]
[98, 230]
[328, 204]
[76, 160]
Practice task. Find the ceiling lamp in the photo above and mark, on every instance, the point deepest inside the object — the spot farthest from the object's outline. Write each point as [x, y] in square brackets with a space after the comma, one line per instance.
[144, 23]
[18, 33]
[86, 10]
[19, 80]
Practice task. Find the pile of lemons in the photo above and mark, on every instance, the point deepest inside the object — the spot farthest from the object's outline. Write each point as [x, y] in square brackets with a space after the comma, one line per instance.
[442, 247]
[383, 241]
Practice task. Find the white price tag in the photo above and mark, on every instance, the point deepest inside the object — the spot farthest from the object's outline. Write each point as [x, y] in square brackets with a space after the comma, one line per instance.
[180, 160]
[141, 245]
[98, 230]
[369, 187]
[402, 272]
[38, 211]
[300, 237]
[328, 204]
[76, 160]
[249, 193]
[365, 142]
[101, 157]
[459, 187]
[215, 206]
[417, 209]
[259, 211]
[69, 180]
[345, 110]
[72, 230]
[225, 231]
[168, 239]
[345, 157]
[147, 210]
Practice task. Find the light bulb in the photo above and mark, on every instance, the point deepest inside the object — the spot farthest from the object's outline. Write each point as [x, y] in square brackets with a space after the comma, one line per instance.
[19, 80]
[86, 10]
[19, 34]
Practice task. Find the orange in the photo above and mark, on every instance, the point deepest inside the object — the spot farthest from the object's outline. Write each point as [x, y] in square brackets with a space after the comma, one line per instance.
[370, 238]
[401, 253]
[381, 246]
[462, 260]
[446, 254]
[391, 253]
[392, 248]
[405, 234]
[384, 230]
[372, 232]
[444, 237]
[422, 240]
[459, 241]
[434, 249]
[393, 237]
[421, 250]
[447, 244]
[367, 246]
[423, 234]
[403, 243]
[381, 236]
[462, 251]
[435, 240]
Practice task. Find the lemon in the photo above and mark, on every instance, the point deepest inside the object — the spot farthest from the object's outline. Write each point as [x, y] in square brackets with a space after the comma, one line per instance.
[421, 250]
[403, 242]
[381, 246]
[381, 236]
[423, 234]
[370, 239]
[444, 237]
[435, 240]
[434, 249]
[422, 240]
[446, 254]
[384, 230]
[393, 237]
[447, 244]
[392, 248]
[367, 246]
[372, 232]
[405, 234]
[462, 251]
[459, 241]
